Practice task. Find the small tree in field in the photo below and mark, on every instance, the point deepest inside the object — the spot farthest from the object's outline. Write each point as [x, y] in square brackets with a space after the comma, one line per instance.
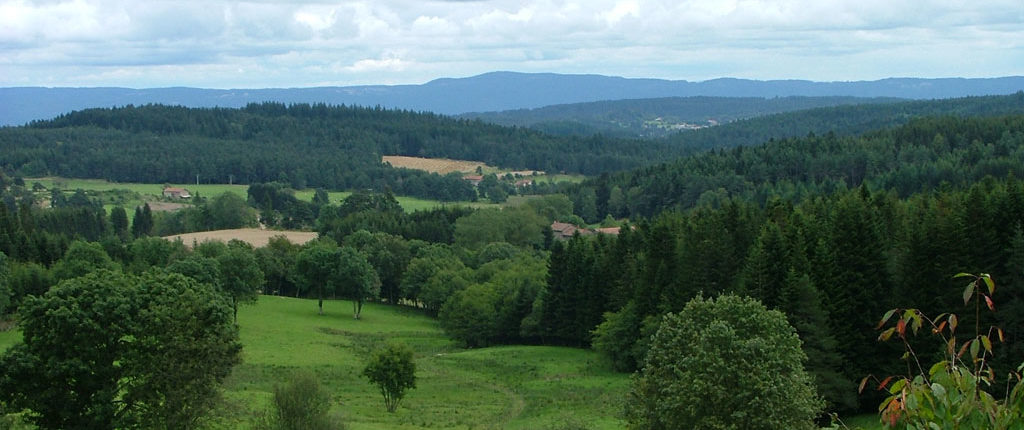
[952, 393]
[392, 369]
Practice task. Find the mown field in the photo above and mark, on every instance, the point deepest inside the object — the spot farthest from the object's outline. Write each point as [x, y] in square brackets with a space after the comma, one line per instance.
[253, 236]
[66, 184]
[518, 387]
[435, 165]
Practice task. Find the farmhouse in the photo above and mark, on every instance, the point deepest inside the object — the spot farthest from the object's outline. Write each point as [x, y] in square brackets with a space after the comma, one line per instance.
[473, 179]
[176, 193]
[563, 230]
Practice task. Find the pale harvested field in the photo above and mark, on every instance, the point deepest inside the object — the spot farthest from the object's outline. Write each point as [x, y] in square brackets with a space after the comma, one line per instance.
[253, 236]
[434, 165]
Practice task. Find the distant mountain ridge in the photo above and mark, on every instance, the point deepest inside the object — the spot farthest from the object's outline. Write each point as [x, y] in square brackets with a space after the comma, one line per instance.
[496, 91]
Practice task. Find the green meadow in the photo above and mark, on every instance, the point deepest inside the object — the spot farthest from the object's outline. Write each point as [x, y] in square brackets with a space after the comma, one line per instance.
[149, 192]
[510, 387]
[66, 184]
[504, 387]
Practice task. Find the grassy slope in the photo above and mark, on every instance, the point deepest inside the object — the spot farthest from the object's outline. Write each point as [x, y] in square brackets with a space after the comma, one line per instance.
[510, 387]
[516, 387]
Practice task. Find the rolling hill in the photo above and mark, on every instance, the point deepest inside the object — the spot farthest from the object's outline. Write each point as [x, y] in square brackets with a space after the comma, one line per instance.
[496, 91]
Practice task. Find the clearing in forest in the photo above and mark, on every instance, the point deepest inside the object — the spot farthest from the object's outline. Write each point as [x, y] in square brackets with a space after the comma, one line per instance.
[502, 387]
[253, 236]
[434, 165]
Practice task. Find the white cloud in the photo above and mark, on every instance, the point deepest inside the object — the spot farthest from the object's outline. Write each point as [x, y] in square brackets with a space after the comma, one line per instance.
[300, 43]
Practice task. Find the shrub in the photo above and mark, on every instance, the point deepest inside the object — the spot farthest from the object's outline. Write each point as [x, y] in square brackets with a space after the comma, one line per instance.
[301, 404]
[952, 393]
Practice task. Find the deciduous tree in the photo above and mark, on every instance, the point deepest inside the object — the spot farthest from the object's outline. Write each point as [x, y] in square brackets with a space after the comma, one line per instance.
[393, 370]
[725, 363]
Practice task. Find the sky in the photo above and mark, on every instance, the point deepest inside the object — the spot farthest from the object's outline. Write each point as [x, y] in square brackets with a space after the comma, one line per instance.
[288, 44]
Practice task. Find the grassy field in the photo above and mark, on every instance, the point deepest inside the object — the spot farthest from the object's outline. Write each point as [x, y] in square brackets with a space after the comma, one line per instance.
[204, 190]
[508, 387]
[560, 178]
[516, 387]
[8, 338]
[153, 191]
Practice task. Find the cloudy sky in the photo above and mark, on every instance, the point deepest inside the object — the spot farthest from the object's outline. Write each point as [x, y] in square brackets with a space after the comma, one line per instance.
[292, 43]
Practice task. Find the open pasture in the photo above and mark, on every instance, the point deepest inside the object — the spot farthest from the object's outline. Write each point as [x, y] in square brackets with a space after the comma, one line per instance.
[156, 190]
[511, 387]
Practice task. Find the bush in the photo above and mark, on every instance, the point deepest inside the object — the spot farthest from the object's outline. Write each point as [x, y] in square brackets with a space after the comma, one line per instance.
[726, 363]
[301, 404]
[953, 392]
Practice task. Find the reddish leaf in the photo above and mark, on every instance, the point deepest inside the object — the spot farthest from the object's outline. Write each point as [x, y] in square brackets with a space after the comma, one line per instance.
[988, 301]
[942, 326]
[901, 328]
[963, 349]
[999, 331]
[884, 382]
[863, 382]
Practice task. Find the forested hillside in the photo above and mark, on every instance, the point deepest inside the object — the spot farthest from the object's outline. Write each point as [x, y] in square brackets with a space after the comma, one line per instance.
[332, 147]
[919, 156]
[339, 147]
[658, 117]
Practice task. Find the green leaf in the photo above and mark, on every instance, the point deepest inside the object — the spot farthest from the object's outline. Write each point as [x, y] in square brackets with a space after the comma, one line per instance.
[898, 386]
[968, 292]
[886, 334]
[989, 282]
[975, 348]
[987, 343]
[963, 275]
[885, 318]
